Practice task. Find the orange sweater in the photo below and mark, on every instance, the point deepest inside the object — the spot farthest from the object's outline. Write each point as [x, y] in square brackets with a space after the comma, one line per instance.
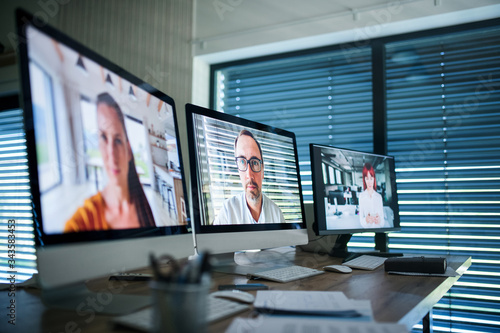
[88, 217]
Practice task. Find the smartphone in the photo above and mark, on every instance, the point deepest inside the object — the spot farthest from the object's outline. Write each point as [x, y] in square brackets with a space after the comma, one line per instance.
[244, 286]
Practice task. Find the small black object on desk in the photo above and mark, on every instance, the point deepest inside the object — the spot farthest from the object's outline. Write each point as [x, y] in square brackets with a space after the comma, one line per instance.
[416, 265]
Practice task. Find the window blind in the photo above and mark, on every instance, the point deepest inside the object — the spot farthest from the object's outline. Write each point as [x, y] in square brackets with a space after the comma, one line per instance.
[441, 92]
[313, 95]
[17, 253]
[443, 113]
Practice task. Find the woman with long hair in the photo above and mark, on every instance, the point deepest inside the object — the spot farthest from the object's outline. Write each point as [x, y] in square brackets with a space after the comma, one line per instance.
[122, 203]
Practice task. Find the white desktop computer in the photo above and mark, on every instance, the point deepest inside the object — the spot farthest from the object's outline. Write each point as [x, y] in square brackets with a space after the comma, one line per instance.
[106, 173]
[235, 163]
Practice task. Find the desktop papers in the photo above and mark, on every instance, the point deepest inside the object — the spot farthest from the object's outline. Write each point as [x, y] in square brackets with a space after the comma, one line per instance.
[305, 324]
[315, 303]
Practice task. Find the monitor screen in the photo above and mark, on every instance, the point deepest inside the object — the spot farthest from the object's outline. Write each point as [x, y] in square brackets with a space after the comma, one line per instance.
[106, 172]
[245, 183]
[353, 191]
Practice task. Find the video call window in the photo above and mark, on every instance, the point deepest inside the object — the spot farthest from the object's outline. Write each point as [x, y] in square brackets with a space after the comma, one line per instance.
[356, 190]
[68, 90]
[219, 175]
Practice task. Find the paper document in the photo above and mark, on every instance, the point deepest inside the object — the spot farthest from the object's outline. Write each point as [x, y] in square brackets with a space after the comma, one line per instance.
[304, 324]
[319, 303]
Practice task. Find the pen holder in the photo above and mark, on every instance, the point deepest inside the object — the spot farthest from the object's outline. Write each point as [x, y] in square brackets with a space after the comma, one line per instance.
[180, 307]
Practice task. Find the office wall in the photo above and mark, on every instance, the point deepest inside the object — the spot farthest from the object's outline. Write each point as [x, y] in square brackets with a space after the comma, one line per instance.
[150, 39]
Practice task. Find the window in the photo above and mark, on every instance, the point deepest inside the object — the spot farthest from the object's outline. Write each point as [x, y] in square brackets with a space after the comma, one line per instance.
[91, 141]
[338, 176]
[45, 125]
[437, 101]
[331, 174]
[15, 202]
[325, 175]
[443, 127]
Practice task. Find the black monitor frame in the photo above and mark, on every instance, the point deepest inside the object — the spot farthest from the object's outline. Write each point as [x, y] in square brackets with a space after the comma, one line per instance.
[197, 214]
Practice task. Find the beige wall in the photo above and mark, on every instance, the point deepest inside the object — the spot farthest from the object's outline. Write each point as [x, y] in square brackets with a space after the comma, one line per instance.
[150, 39]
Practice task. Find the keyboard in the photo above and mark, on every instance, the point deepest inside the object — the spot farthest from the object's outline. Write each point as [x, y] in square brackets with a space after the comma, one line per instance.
[217, 309]
[286, 274]
[366, 262]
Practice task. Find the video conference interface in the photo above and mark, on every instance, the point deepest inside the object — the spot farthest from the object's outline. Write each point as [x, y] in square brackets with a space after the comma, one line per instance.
[271, 172]
[107, 150]
[355, 190]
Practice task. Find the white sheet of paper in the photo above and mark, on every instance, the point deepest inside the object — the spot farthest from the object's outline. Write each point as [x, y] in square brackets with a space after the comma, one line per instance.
[302, 300]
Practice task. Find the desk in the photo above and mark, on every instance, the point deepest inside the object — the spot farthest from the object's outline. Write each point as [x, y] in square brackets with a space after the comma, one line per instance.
[394, 298]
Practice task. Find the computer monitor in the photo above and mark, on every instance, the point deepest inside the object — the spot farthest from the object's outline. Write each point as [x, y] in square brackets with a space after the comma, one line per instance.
[353, 192]
[106, 173]
[228, 176]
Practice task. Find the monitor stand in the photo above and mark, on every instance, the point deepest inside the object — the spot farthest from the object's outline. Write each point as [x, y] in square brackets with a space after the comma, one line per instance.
[339, 250]
[248, 262]
[109, 300]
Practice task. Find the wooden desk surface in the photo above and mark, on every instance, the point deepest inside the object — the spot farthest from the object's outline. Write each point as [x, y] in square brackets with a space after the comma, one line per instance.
[394, 298]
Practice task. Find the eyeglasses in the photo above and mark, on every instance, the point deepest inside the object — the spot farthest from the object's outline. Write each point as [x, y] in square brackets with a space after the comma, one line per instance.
[254, 162]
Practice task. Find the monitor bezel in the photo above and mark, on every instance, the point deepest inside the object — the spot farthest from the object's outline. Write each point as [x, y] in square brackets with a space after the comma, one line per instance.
[319, 206]
[197, 215]
[24, 20]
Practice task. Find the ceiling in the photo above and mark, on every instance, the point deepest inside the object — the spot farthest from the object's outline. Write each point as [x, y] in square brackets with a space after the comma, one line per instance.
[224, 25]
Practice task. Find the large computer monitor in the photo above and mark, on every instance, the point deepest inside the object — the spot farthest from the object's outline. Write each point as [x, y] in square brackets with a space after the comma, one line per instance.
[229, 178]
[106, 173]
[353, 192]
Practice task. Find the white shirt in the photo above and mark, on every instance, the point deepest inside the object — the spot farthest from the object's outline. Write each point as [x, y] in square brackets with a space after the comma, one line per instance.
[235, 211]
[371, 205]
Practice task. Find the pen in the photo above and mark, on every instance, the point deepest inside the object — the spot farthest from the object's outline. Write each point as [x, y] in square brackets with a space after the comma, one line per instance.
[154, 266]
[171, 274]
[200, 266]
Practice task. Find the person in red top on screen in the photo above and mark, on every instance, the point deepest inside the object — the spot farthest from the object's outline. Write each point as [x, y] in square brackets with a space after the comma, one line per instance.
[371, 209]
[251, 205]
[122, 203]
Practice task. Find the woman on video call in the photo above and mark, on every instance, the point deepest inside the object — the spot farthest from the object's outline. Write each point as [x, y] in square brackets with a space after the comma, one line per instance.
[122, 203]
[371, 209]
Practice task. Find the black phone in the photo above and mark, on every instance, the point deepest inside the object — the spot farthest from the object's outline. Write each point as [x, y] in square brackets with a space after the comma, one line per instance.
[243, 286]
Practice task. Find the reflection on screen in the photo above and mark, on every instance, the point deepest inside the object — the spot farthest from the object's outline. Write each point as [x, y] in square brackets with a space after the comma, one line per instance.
[225, 170]
[107, 151]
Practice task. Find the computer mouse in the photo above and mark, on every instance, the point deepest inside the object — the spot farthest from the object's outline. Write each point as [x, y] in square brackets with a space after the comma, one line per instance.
[338, 269]
[234, 295]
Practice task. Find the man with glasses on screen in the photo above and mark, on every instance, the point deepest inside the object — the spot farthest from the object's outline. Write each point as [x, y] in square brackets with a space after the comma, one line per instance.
[250, 206]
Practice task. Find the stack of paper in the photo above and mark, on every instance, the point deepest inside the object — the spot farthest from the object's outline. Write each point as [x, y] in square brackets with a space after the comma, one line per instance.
[311, 311]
